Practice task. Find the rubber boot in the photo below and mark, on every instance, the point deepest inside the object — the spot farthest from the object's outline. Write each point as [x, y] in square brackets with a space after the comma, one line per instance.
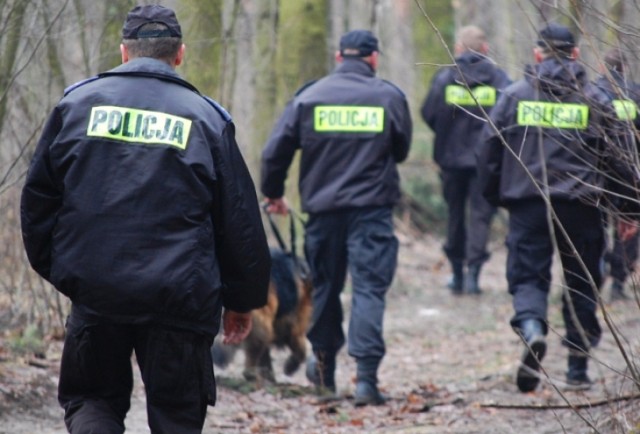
[471, 285]
[456, 281]
[532, 333]
[367, 392]
[320, 371]
[577, 378]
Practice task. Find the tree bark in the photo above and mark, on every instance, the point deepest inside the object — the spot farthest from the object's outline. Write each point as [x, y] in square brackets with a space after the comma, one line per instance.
[11, 45]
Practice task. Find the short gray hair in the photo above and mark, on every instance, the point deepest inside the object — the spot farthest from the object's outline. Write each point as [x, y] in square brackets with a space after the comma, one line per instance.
[162, 48]
[471, 38]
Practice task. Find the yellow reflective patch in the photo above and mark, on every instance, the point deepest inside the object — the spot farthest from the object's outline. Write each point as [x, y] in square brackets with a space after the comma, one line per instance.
[553, 115]
[139, 126]
[626, 109]
[348, 119]
[460, 95]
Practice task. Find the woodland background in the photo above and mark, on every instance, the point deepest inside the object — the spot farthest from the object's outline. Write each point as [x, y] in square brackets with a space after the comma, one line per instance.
[251, 56]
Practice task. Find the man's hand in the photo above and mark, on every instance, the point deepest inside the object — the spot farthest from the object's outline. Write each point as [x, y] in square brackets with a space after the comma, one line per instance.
[236, 326]
[276, 206]
[626, 229]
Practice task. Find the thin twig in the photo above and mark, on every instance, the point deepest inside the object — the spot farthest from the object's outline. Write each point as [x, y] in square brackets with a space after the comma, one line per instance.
[587, 404]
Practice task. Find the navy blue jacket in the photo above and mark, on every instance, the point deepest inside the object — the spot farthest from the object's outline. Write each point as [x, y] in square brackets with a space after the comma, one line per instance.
[455, 117]
[138, 204]
[619, 87]
[352, 129]
[625, 95]
[573, 157]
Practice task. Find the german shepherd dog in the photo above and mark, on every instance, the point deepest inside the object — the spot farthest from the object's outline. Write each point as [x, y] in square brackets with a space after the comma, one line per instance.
[282, 322]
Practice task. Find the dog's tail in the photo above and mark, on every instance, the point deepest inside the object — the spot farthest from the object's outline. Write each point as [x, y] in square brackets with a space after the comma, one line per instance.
[222, 354]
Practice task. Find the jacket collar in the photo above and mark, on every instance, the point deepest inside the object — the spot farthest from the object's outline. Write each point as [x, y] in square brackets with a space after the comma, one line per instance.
[557, 76]
[148, 67]
[145, 64]
[355, 65]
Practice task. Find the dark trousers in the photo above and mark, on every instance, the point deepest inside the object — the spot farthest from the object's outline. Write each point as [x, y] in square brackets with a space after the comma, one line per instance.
[362, 241]
[466, 237]
[96, 377]
[623, 256]
[529, 265]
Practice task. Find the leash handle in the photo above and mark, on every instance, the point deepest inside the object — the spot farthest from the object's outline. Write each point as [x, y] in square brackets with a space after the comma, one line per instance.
[274, 229]
[293, 216]
[301, 266]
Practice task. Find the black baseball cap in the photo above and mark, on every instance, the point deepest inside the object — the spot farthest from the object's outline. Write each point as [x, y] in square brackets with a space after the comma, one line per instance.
[141, 15]
[556, 37]
[358, 43]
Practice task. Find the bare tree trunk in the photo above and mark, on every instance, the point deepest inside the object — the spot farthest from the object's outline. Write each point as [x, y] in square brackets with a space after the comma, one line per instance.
[337, 27]
[204, 39]
[362, 14]
[433, 29]
[590, 22]
[53, 57]
[114, 14]
[11, 44]
[260, 88]
[80, 12]
[627, 15]
[232, 44]
[397, 62]
[302, 33]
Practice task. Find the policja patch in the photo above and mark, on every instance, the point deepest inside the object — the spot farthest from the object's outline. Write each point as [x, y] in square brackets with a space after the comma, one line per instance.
[355, 119]
[139, 126]
[553, 115]
[455, 94]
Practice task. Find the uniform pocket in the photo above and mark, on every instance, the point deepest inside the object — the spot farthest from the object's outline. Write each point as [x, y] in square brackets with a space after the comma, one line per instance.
[178, 369]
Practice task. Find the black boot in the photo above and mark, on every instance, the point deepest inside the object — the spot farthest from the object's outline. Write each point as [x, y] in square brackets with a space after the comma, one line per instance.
[320, 371]
[577, 378]
[367, 392]
[617, 291]
[532, 333]
[471, 285]
[456, 281]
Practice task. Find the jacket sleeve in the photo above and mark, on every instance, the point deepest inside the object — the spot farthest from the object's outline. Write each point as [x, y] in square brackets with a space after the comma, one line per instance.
[634, 94]
[41, 201]
[490, 156]
[433, 102]
[401, 130]
[503, 80]
[278, 153]
[621, 175]
[622, 184]
[241, 244]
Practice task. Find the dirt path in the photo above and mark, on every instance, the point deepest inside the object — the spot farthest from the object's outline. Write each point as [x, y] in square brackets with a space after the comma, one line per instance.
[449, 369]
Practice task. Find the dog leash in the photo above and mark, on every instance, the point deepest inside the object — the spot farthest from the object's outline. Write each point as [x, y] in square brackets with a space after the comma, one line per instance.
[293, 215]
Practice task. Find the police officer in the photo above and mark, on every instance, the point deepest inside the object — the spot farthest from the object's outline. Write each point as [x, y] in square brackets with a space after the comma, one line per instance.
[455, 108]
[139, 207]
[352, 129]
[549, 177]
[625, 94]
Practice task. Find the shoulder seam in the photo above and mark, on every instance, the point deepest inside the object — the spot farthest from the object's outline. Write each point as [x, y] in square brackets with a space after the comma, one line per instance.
[304, 87]
[221, 110]
[81, 83]
[395, 86]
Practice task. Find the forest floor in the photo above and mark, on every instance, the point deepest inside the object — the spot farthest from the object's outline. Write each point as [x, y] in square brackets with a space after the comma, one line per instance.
[449, 368]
